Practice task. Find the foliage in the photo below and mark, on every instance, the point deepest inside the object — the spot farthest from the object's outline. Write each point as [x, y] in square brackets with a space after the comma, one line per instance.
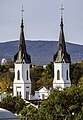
[61, 105]
[13, 104]
[49, 71]
[76, 72]
[29, 112]
[47, 76]
[9, 64]
[6, 81]
[36, 73]
[6, 77]
[44, 77]
[39, 76]
[6, 86]
[3, 68]
[19, 105]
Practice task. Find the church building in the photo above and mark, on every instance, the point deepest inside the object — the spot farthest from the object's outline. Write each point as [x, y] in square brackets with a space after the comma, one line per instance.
[22, 60]
[62, 62]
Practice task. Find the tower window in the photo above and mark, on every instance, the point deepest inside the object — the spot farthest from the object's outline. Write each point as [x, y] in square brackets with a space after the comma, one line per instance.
[58, 75]
[27, 95]
[67, 75]
[27, 74]
[18, 75]
[27, 87]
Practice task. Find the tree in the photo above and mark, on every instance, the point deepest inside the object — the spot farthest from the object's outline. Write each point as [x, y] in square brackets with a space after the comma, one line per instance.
[6, 81]
[29, 112]
[9, 103]
[13, 104]
[47, 76]
[63, 105]
[19, 105]
[76, 72]
[36, 73]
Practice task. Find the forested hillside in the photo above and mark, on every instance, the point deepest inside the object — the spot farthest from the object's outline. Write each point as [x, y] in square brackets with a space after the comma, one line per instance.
[41, 51]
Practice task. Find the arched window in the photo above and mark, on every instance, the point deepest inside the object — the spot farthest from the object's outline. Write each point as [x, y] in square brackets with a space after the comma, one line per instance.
[58, 75]
[27, 74]
[67, 75]
[18, 75]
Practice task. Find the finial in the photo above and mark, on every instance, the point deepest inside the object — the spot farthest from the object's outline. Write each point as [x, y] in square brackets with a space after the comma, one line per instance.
[61, 15]
[22, 18]
[61, 10]
[22, 11]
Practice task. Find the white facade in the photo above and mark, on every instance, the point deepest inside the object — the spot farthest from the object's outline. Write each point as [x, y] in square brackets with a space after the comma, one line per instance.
[61, 75]
[22, 82]
[43, 93]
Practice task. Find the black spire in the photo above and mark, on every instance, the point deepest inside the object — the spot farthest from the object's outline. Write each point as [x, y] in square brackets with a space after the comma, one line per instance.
[22, 55]
[61, 44]
[62, 54]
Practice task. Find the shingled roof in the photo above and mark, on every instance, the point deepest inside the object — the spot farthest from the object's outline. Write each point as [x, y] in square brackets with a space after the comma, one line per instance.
[22, 55]
[62, 55]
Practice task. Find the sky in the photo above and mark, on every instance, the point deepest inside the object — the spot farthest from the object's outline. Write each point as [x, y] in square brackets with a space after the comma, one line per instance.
[41, 20]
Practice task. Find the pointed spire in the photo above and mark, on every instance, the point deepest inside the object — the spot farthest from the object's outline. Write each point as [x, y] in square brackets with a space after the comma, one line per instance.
[61, 45]
[22, 44]
[22, 52]
[61, 54]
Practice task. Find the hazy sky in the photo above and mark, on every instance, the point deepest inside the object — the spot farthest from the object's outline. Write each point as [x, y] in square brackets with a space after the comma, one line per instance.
[41, 19]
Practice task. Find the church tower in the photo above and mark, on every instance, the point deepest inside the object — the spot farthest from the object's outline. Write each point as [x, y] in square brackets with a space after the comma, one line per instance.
[62, 62]
[22, 60]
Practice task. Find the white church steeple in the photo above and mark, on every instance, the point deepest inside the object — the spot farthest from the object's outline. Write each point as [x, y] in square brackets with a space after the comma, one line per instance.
[22, 60]
[62, 61]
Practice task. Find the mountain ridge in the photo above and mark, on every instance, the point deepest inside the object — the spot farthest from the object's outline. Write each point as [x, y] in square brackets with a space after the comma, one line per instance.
[41, 51]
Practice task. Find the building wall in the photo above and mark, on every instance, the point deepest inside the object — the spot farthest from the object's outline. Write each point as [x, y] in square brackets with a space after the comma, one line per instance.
[22, 85]
[43, 93]
[23, 72]
[63, 82]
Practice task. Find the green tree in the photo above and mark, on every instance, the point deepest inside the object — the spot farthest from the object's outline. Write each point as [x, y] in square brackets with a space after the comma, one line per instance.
[13, 104]
[76, 72]
[47, 76]
[6, 81]
[36, 73]
[61, 105]
[29, 112]
[19, 105]
[9, 103]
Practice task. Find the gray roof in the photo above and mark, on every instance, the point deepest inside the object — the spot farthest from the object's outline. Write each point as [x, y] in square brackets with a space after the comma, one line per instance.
[22, 52]
[62, 55]
[7, 115]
